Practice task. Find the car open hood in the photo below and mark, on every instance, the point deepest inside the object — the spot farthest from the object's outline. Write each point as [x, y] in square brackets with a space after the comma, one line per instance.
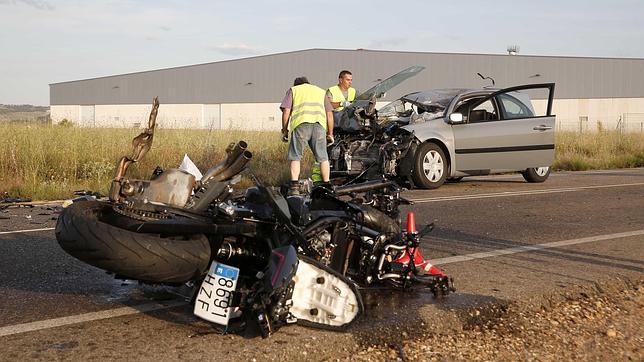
[381, 88]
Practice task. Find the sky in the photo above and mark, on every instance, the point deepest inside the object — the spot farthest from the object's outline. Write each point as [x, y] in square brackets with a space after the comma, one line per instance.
[49, 41]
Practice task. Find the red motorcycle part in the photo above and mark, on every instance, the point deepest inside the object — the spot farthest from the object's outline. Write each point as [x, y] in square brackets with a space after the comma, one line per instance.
[424, 265]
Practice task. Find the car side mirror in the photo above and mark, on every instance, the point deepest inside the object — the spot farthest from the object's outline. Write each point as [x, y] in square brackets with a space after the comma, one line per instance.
[456, 118]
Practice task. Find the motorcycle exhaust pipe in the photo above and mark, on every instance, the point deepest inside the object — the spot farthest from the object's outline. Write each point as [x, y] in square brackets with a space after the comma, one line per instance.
[227, 252]
[362, 187]
[236, 167]
[233, 152]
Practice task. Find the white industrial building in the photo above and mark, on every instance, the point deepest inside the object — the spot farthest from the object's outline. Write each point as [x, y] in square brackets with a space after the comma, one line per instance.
[245, 93]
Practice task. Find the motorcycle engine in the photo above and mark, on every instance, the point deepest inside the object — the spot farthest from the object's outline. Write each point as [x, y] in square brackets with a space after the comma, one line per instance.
[355, 156]
[321, 244]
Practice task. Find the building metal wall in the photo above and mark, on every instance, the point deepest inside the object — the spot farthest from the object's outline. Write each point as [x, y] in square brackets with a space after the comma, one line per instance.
[264, 79]
[572, 114]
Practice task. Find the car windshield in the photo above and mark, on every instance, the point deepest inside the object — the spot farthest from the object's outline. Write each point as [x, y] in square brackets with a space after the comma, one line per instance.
[437, 98]
[430, 104]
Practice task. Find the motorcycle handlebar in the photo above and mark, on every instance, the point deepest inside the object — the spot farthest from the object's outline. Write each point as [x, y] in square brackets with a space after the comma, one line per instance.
[362, 187]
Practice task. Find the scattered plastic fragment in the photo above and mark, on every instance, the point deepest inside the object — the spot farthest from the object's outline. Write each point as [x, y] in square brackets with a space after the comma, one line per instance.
[66, 203]
[96, 194]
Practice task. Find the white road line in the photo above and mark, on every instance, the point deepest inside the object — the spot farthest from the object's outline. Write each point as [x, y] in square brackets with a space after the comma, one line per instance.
[518, 193]
[524, 248]
[25, 231]
[88, 317]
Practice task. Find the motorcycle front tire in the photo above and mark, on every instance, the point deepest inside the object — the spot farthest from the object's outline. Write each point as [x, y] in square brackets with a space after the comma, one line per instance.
[82, 232]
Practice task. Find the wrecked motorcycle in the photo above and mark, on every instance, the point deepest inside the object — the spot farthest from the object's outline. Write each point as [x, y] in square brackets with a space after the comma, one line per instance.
[256, 259]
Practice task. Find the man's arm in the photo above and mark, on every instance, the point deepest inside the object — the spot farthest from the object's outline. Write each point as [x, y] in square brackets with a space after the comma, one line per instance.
[328, 109]
[285, 107]
[286, 113]
[329, 128]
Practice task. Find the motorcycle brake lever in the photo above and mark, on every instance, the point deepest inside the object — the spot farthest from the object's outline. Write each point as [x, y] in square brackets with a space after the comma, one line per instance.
[426, 230]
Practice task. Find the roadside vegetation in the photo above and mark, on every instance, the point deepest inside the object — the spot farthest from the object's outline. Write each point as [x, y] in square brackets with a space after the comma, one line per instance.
[23, 113]
[49, 162]
[598, 151]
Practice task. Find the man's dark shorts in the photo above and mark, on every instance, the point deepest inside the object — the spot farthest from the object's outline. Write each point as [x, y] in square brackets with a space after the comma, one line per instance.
[312, 134]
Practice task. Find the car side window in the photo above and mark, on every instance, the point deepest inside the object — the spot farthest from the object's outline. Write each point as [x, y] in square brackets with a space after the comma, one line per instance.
[514, 108]
[484, 112]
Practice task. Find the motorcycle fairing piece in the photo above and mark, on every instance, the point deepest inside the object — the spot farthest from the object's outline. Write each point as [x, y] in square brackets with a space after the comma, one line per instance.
[324, 298]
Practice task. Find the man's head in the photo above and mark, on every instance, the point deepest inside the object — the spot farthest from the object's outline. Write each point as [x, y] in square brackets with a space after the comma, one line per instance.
[300, 80]
[345, 78]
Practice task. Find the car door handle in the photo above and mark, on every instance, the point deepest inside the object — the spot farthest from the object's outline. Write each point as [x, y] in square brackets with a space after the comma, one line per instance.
[542, 127]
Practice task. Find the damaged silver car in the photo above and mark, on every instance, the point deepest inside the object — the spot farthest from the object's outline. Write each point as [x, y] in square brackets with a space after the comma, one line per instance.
[426, 138]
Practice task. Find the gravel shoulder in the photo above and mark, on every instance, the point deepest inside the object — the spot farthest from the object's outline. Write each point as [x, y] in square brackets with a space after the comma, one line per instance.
[602, 322]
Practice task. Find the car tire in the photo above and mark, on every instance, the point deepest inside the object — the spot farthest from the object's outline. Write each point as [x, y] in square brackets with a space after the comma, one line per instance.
[430, 166]
[536, 174]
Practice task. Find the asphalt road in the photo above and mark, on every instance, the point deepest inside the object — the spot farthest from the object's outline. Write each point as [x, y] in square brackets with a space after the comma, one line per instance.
[502, 239]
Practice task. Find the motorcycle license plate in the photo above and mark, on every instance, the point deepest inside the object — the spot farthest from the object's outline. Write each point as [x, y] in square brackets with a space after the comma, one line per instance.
[216, 293]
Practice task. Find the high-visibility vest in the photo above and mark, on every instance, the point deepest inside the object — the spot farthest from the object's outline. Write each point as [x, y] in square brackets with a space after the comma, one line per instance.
[308, 106]
[338, 97]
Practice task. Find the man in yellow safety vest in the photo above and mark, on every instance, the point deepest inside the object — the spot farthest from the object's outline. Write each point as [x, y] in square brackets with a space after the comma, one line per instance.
[307, 114]
[342, 95]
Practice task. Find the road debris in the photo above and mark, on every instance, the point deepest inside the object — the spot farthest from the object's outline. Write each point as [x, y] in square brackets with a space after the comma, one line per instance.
[66, 203]
[96, 194]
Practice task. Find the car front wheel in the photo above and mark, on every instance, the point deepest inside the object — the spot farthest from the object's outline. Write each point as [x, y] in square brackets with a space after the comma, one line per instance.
[430, 167]
[536, 174]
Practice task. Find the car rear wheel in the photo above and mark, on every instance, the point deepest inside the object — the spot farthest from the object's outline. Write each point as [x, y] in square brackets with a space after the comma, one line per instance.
[536, 174]
[430, 166]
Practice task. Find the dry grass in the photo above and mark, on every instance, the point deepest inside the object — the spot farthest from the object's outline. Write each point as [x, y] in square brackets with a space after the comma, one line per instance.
[50, 162]
[601, 150]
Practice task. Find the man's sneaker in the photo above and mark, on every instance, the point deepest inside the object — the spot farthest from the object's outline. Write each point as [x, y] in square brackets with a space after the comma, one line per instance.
[294, 189]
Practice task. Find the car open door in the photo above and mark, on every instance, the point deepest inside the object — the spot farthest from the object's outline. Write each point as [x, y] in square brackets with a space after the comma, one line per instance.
[510, 136]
